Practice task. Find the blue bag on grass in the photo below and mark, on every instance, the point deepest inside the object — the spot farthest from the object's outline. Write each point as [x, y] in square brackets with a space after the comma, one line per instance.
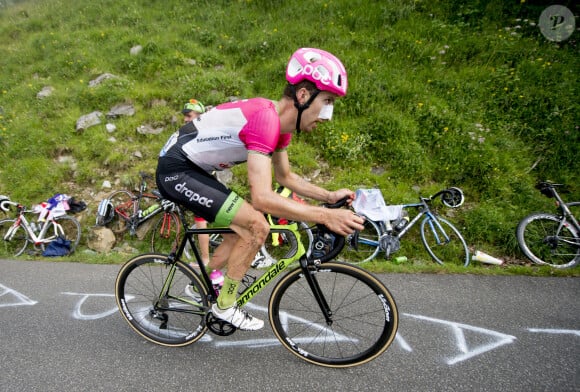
[58, 247]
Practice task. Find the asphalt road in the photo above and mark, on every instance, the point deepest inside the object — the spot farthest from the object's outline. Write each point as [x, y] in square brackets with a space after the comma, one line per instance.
[60, 331]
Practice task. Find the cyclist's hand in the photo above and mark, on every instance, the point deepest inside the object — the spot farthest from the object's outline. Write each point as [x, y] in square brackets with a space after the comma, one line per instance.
[340, 194]
[343, 222]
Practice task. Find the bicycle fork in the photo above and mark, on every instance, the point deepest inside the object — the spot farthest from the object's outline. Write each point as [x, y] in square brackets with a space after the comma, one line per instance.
[437, 230]
[316, 291]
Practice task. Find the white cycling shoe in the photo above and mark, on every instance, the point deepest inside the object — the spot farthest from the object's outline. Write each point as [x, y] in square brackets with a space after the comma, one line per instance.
[239, 318]
[261, 261]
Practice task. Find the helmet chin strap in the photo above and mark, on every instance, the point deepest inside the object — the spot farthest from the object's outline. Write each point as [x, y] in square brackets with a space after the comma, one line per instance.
[303, 107]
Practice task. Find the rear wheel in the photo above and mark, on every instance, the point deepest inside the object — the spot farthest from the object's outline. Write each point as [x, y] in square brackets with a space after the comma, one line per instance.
[366, 247]
[544, 240]
[70, 229]
[166, 303]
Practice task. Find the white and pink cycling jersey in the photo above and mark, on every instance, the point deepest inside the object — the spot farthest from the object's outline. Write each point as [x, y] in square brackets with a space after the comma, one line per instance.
[227, 133]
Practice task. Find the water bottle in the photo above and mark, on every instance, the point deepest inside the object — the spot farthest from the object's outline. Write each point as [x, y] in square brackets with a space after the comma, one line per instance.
[217, 280]
[149, 210]
[401, 222]
[34, 227]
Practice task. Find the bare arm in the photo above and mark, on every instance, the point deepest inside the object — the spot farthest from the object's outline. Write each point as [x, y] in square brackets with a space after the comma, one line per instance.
[266, 200]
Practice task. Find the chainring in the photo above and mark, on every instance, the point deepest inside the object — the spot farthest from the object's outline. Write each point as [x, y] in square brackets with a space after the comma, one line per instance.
[389, 244]
[218, 326]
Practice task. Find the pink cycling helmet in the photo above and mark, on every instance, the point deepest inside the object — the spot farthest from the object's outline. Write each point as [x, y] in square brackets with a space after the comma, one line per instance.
[320, 67]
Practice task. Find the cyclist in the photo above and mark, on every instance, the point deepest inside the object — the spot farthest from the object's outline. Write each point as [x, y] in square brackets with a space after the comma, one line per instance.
[191, 110]
[256, 131]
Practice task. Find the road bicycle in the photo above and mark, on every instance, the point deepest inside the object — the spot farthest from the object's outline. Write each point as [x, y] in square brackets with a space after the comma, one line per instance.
[124, 211]
[551, 239]
[17, 233]
[441, 238]
[328, 313]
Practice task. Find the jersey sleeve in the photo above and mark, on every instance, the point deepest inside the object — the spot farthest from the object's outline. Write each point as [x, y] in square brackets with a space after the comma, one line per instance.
[262, 132]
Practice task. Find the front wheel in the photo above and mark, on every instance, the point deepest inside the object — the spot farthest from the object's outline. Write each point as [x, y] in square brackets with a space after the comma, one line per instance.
[363, 321]
[444, 242]
[164, 302]
[13, 239]
[545, 240]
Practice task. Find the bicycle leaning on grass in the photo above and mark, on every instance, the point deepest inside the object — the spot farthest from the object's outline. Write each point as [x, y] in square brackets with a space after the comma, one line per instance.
[124, 211]
[441, 239]
[551, 239]
[327, 313]
[17, 233]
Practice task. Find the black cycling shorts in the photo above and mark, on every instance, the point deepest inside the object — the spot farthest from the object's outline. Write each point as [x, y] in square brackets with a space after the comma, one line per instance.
[201, 193]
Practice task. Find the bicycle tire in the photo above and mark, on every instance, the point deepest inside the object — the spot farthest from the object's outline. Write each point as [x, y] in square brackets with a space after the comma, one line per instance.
[173, 319]
[70, 230]
[452, 252]
[536, 235]
[166, 233]
[367, 247]
[364, 316]
[19, 240]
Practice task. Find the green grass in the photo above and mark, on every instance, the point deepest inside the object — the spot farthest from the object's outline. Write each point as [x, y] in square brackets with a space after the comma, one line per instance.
[441, 93]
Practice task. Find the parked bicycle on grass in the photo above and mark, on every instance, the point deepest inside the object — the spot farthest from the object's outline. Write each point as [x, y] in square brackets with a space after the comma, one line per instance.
[441, 239]
[123, 211]
[328, 313]
[548, 238]
[16, 234]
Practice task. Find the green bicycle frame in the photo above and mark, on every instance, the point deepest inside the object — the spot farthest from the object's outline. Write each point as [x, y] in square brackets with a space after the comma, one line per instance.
[261, 282]
[276, 268]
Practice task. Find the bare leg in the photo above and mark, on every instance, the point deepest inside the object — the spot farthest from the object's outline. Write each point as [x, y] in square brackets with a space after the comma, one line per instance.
[203, 240]
[238, 251]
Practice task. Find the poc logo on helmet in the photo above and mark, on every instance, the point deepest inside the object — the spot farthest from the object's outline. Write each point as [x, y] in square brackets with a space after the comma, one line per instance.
[193, 196]
[317, 73]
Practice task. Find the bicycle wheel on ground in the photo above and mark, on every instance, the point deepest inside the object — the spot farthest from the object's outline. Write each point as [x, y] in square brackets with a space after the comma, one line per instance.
[12, 243]
[364, 318]
[367, 246]
[70, 229]
[444, 242]
[166, 233]
[544, 240]
[166, 303]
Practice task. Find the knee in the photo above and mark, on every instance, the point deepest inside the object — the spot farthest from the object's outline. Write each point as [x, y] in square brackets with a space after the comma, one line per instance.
[259, 229]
